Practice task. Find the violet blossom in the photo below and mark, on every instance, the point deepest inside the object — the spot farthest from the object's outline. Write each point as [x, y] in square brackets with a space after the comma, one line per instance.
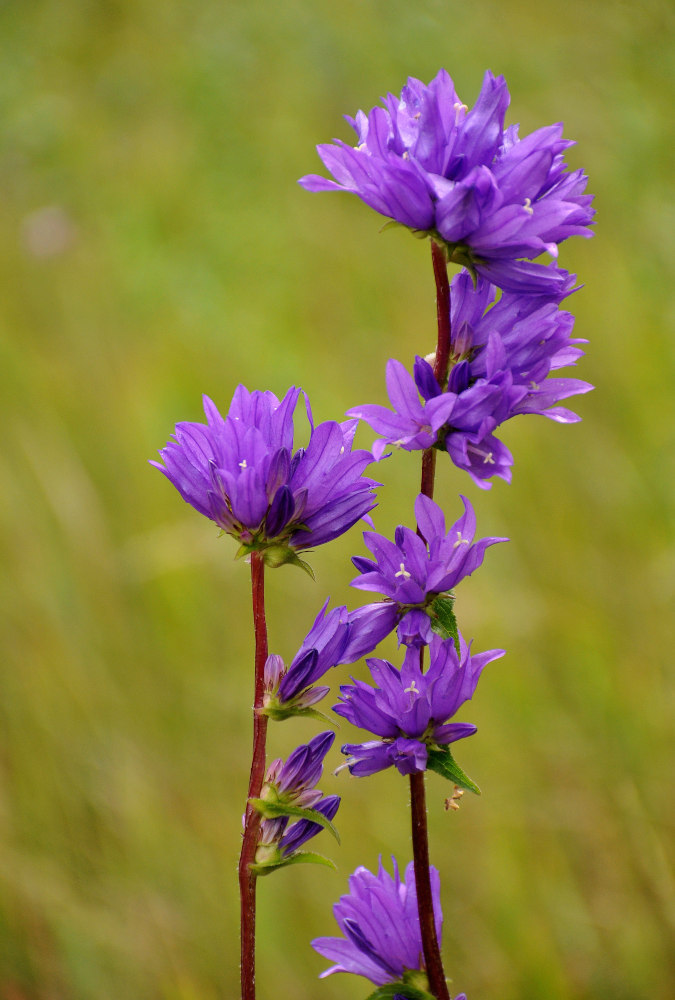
[380, 924]
[501, 356]
[412, 575]
[492, 200]
[242, 472]
[409, 709]
[337, 636]
[293, 810]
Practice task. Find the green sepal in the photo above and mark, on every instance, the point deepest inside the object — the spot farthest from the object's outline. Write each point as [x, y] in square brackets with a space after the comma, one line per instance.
[393, 224]
[443, 620]
[401, 989]
[278, 712]
[271, 809]
[274, 554]
[442, 762]
[280, 555]
[297, 858]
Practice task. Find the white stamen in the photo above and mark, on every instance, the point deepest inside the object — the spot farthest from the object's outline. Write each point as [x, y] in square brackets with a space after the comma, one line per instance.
[528, 207]
[488, 460]
[243, 464]
[403, 572]
[460, 540]
[533, 385]
[458, 106]
[342, 450]
[406, 155]
[412, 688]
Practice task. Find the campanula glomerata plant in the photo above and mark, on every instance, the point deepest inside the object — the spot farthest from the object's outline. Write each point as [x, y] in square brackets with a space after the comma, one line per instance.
[491, 203]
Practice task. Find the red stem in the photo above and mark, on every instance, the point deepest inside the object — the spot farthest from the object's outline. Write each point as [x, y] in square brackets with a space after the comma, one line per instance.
[247, 879]
[425, 904]
[442, 362]
[418, 806]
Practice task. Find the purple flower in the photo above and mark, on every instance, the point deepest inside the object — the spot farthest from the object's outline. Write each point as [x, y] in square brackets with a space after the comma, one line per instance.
[293, 781]
[493, 200]
[501, 356]
[241, 471]
[380, 924]
[409, 709]
[280, 839]
[293, 809]
[337, 636]
[411, 576]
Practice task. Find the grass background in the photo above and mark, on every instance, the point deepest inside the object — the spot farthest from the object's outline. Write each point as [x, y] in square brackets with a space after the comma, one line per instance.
[154, 245]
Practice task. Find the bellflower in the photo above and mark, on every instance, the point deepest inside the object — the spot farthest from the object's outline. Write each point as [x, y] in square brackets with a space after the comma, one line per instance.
[281, 838]
[412, 575]
[337, 636]
[242, 472]
[380, 924]
[293, 810]
[501, 356]
[293, 781]
[408, 709]
[493, 200]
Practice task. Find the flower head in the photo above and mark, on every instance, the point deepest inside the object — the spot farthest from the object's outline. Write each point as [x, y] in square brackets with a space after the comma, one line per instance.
[380, 924]
[501, 356]
[493, 200]
[294, 779]
[412, 575]
[241, 471]
[337, 636]
[293, 810]
[408, 709]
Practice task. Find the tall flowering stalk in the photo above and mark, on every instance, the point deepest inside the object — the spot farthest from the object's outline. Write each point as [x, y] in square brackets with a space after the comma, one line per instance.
[492, 203]
[242, 472]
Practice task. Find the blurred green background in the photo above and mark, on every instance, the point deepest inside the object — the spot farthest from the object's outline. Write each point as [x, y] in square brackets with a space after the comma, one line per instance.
[154, 245]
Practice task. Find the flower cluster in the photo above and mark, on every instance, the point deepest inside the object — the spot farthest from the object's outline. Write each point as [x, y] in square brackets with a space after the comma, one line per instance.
[381, 928]
[493, 200]
[241, 471]
[288, 792]
[412, 574]
[501, 355]
[410, 707]
[337, 636]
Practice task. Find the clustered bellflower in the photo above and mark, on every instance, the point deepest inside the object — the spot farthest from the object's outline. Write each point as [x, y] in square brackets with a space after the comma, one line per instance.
[380, 924]
[412, 575]
[242, 472]
[493, 200]
[289, 791]
[501, 356]
[409, 708]
[337, 636]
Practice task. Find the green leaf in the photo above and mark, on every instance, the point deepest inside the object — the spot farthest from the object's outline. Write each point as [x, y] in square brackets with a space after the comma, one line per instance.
[271, 809]
[299, 858]
[442, 762]
[443, 620]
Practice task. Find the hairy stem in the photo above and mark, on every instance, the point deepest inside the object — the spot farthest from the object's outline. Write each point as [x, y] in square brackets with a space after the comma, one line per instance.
[418, 806]
[247, 880]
